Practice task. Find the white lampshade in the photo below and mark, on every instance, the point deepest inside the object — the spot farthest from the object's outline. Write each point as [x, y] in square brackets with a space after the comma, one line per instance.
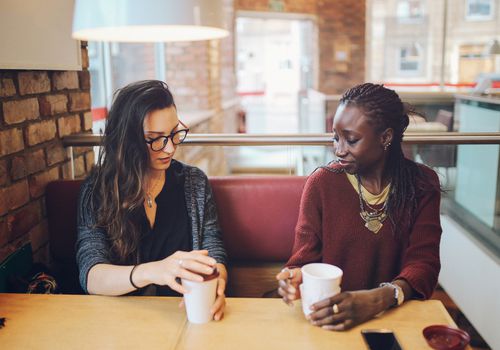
[148, 20]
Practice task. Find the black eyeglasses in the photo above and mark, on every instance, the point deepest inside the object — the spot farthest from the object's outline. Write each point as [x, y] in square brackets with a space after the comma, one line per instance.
[177, 137]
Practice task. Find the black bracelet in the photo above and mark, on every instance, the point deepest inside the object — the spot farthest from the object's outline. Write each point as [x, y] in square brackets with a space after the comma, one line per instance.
[130, 277]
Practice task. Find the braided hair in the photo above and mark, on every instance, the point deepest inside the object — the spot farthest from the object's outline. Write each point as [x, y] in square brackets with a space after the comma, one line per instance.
[385, 110]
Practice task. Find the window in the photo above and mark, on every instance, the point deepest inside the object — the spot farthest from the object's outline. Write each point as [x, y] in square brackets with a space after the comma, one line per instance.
[452, 64]
[479, 10]
[409, 10]
[473, 62]
[409, 59]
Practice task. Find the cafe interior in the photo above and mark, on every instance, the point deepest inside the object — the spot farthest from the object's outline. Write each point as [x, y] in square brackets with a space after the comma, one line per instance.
[258, 83]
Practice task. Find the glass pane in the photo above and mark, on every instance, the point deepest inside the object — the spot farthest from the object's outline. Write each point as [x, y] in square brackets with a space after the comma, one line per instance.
[131, 62]
[255, 160]
[454, 39]
[468, 174]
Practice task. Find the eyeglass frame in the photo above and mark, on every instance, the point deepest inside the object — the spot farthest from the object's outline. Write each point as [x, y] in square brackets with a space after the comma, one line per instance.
[167, 137]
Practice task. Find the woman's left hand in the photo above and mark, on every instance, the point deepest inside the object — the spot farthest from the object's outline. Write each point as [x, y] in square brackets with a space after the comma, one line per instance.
[220, 301]
[348, 309]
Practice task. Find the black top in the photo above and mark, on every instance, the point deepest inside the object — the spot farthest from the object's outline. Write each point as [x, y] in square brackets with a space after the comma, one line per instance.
[92, 242]
[171, 231]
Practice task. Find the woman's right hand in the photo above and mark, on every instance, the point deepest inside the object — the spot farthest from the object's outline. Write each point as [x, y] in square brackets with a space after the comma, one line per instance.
[187, 265]
[289, 280]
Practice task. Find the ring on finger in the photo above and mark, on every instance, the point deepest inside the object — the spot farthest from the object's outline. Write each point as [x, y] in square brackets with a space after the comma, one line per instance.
[290, 272]
[335, 309]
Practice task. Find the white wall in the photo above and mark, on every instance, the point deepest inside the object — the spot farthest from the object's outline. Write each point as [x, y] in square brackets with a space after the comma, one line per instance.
[471, 277]
[36, 34]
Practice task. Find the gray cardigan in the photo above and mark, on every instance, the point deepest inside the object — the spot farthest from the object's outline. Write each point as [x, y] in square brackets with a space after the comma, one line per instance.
[92, 246]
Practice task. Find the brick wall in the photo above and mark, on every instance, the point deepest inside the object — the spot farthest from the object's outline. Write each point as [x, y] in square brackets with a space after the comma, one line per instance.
[341, 23]
[341, 26]
[188, 74]
[37, 109]
[294, 6]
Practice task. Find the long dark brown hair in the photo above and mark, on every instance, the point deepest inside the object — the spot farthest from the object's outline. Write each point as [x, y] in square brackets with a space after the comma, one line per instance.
[118, 195]
[385, 110]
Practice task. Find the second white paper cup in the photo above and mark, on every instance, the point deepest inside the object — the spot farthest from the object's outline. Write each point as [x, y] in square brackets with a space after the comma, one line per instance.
[320, 281]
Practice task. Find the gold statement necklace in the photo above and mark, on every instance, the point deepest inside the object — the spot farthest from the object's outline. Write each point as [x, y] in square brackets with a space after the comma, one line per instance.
[374, 219]
[149, 197]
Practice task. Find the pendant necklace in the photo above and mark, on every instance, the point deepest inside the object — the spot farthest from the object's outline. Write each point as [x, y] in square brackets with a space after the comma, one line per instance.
[374, 220]
[149, 199]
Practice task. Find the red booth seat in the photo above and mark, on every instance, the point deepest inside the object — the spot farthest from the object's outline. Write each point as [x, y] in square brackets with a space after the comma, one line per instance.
[257, 216]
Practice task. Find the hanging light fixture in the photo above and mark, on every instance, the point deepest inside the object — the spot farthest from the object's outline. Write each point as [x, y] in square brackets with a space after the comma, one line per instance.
[493, 48]
[413, 50]
[148, 20]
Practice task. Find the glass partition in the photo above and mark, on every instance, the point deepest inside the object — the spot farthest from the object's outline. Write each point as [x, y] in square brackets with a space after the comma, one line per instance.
[467, 165]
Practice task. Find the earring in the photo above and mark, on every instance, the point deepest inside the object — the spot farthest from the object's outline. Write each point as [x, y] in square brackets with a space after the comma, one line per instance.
[387, 146]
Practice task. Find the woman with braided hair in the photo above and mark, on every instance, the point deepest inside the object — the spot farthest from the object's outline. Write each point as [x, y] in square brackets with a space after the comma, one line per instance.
[372, 212]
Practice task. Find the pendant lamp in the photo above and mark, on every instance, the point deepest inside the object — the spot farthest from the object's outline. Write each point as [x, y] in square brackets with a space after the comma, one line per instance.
[148, 20]
[493, 48]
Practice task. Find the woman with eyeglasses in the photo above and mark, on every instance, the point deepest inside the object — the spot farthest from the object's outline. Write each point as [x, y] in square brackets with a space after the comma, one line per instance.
[372, 212]
[144, 219]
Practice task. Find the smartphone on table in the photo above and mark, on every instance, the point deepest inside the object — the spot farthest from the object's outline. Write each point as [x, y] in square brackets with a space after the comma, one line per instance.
[380, 339]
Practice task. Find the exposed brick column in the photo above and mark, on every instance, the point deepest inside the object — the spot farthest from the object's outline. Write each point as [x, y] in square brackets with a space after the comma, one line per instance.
[341, 25]
[37, 109]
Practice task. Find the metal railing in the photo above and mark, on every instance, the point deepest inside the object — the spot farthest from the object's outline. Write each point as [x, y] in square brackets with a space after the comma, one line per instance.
[444, 138]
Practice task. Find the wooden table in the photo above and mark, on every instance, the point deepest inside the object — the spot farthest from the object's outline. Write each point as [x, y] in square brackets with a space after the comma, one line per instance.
[94, 322]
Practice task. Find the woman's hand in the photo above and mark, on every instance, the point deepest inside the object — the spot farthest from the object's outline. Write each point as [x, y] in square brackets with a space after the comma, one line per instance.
[289, 281]
[220, 302]
[348, 309]
[188, 265]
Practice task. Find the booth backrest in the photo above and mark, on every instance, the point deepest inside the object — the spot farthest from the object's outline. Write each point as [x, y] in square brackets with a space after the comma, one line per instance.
[257, 216]
[61, 201]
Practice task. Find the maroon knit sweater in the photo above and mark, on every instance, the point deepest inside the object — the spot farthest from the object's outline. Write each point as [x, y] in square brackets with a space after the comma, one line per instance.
[331, 230]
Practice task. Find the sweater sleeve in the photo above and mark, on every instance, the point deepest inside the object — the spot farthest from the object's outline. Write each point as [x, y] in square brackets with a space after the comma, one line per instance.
[211, 233]
[307, 245]
[421, 263]
[92, 247]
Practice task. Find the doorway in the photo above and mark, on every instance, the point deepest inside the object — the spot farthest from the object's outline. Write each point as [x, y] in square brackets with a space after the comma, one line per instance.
[276, 62]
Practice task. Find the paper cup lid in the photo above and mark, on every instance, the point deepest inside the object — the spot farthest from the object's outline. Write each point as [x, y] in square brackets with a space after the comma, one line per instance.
[442, 337]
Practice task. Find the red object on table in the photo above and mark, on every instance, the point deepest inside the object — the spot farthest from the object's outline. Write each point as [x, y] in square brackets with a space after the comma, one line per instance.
[441, 337]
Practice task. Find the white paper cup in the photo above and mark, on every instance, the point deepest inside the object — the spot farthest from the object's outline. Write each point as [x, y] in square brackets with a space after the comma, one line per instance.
[308, 299]
[200, 298]
[319, 281]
